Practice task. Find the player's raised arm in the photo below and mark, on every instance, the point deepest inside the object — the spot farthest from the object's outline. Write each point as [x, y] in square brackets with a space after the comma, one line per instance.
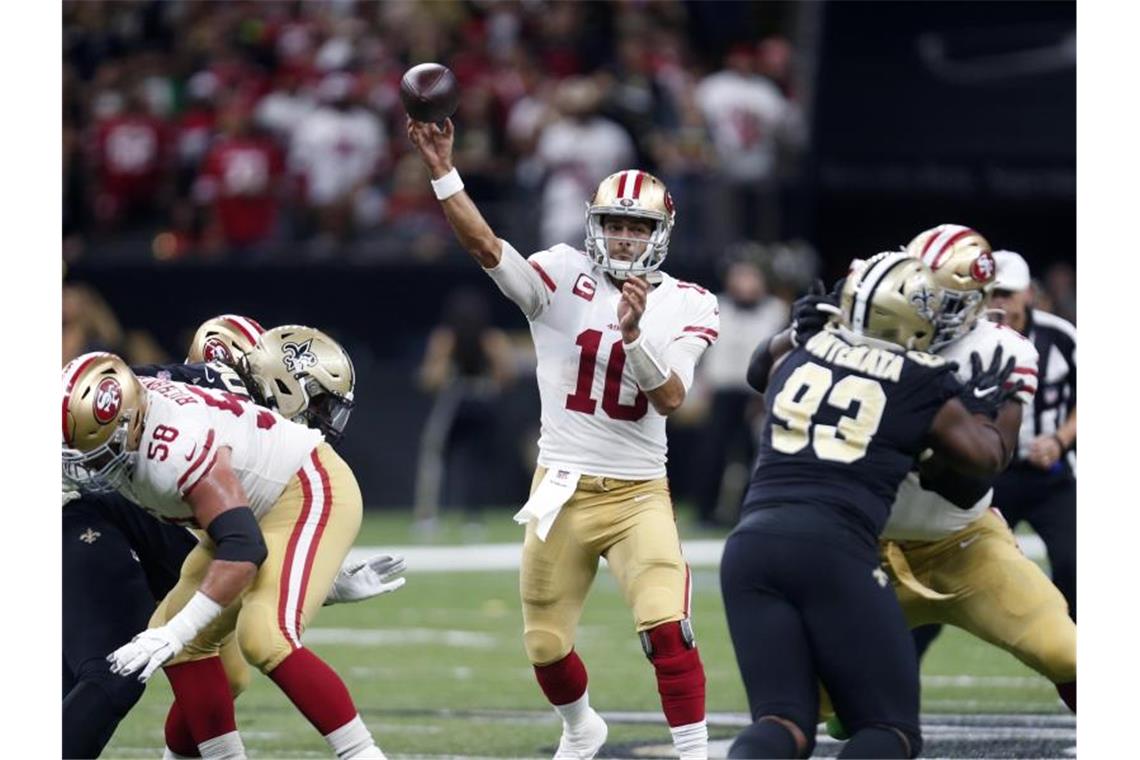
[475, 235]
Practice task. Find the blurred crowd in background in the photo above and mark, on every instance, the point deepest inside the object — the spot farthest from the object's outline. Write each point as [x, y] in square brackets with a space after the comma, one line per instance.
[274, 129]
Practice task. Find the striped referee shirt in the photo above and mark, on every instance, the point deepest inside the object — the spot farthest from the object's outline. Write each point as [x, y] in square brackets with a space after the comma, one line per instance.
[1056, 342]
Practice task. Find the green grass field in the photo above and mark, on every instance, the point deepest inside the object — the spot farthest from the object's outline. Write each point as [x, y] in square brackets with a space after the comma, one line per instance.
[437, 669]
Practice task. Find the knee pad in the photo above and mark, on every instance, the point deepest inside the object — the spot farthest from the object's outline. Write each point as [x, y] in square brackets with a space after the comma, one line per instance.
[260, 639]
[680, 675]
[544, 646]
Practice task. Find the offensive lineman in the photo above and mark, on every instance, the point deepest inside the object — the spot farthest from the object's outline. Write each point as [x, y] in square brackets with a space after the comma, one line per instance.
[617, 343]
[120, 561]
[279, 508]
[849, 410]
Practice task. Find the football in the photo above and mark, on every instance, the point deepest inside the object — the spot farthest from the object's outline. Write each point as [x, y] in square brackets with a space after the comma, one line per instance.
[429, 92]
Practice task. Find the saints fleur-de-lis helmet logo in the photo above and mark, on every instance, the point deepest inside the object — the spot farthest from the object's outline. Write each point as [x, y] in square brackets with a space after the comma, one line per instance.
[298, 356]
[925, 302]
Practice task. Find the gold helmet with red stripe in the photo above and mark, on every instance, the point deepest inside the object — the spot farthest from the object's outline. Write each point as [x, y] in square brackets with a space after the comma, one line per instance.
[890, 297]
[634, 194]
[225, 338]
[103, 408]
[963, 266]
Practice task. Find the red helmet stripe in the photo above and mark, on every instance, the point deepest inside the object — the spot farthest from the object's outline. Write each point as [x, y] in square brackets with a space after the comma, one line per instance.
[621, 185]
[945, 249]
[70, 383]
[247, 327]
[637, 185]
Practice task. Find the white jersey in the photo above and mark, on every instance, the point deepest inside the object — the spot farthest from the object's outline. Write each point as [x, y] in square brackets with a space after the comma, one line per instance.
[921, 515]
[186, 426]
[744, 114]
[595, 420]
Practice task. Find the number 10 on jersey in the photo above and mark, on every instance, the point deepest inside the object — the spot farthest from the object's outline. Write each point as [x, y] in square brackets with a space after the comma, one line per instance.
[581, 401]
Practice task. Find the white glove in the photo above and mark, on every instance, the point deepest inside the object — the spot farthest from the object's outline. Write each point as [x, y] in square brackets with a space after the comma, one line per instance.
[364, 580]
[149, 650]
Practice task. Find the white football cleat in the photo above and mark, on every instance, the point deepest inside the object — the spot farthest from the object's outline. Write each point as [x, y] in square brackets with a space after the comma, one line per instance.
[584, 743]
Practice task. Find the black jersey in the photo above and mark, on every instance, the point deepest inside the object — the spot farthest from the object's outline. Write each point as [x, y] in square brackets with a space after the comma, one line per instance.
[205, 375]
[844, 424]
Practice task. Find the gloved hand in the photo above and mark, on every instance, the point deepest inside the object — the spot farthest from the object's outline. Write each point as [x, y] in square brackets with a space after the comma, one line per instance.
[149, 650]
[989, 388]
[364, 580]
[811, 312]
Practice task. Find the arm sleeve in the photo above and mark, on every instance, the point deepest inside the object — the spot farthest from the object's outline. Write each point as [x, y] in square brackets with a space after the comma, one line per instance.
[528, 283]
[697, 333]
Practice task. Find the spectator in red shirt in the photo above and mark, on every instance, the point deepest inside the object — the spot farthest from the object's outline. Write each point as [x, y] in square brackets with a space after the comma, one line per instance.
[239, 181]
[129, 159]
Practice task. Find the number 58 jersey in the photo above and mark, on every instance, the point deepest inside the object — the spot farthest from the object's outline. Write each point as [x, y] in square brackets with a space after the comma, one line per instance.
[845, 422]
[595, 419]
[187, 425]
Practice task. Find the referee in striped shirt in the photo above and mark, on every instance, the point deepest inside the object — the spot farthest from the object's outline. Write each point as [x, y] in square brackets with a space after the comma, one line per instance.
[1040, 485]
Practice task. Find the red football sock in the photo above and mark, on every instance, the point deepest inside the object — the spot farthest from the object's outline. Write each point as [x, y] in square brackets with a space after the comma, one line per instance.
[564, 681]
[680, 676]
[207, 706]
[315, 689]
[177, 731]
[1068, 692]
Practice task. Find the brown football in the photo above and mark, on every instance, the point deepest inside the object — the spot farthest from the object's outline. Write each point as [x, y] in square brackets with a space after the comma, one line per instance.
[429, 92]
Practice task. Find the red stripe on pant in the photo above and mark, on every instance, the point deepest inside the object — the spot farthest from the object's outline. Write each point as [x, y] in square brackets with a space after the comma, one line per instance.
[680, 676]
[315, 542]
[290, 553]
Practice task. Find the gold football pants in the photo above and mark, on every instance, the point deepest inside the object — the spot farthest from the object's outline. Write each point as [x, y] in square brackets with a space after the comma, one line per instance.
[631, 524]
[993, 591]
[308, 533]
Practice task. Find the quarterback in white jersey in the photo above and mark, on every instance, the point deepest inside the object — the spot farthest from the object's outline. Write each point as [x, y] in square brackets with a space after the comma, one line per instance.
[617, 343]
[950, 554]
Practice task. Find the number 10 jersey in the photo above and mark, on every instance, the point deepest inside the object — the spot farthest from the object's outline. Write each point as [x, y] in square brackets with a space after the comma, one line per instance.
[594, 417]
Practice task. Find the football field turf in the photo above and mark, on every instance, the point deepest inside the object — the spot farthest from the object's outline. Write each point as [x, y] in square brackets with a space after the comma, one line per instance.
[437, 670]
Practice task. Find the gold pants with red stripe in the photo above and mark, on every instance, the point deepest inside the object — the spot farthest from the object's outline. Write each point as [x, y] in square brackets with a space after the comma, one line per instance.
[308, 533]
[995, 592]
[631, 524]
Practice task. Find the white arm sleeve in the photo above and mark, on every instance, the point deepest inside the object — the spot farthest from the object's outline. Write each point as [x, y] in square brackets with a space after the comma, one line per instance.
[520, 282]
[682, 357]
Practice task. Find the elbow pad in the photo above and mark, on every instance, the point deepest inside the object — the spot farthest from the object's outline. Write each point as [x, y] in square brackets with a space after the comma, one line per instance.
[760, 366]
[237, 537]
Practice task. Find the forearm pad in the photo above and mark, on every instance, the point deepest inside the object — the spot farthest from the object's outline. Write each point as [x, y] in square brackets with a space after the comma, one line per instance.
[237, 537]
[648, 370]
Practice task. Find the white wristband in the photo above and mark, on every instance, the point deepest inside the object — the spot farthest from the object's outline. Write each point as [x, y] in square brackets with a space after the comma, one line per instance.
[447, 185]
[198, 613]
[648, 371]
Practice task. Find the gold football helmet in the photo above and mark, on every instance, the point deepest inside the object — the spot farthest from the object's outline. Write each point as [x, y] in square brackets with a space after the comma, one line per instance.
[225, 338]
[305, 375]
[963, 266]
[636, 194]
[890, 297]
[103, 408]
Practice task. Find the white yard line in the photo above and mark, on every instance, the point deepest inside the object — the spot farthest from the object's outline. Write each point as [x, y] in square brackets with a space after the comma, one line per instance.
[443, 559]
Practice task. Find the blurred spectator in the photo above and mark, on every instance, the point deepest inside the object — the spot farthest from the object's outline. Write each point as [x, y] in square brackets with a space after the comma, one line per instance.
[467, 365]
[129, 155]
[335, 151]
[1061, 286]
[414, 227]
[747, 117]
[240, 182]
[577, 150]
[748, 315]
[195, 127]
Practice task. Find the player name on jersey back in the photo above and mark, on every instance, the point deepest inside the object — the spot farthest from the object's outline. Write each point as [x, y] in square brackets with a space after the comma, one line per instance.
[186, 426]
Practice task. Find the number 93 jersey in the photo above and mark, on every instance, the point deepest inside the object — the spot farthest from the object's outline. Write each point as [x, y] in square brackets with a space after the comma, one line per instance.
[845, 422]
[185, 427]
[595, 419]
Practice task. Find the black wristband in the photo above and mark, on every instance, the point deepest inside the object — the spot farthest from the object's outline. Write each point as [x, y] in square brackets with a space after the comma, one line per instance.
[237, 537]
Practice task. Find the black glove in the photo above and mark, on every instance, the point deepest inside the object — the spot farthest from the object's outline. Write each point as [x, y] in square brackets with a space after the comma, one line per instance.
[987, 390]
[808, 317]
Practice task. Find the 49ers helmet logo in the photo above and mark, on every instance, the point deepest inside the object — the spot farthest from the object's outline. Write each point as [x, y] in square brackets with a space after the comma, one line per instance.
[108, 400]
[299, 356]
[983, 268]
[216, 350]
